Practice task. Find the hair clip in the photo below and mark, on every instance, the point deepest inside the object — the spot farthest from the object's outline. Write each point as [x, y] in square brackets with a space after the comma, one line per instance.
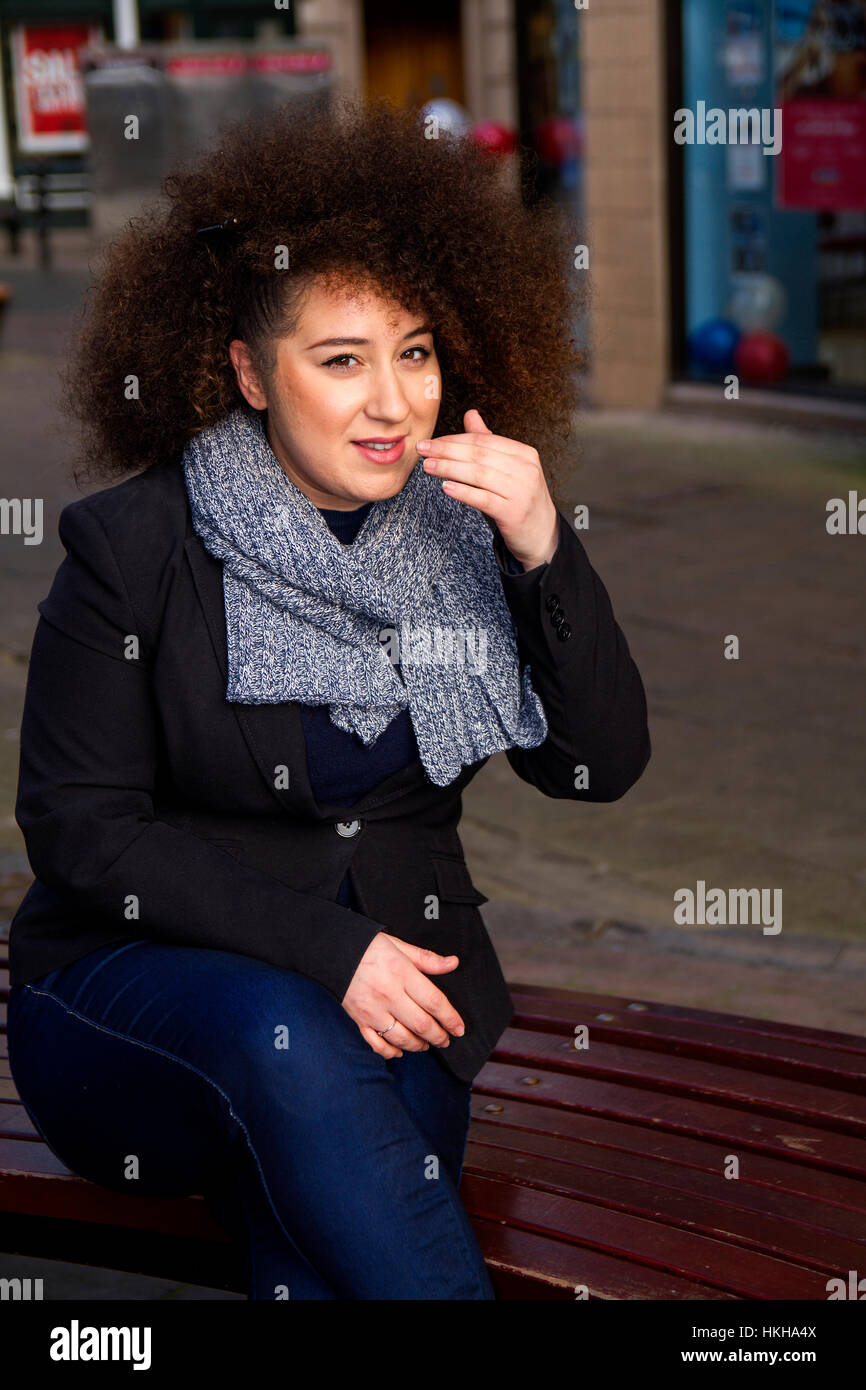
[218, 230]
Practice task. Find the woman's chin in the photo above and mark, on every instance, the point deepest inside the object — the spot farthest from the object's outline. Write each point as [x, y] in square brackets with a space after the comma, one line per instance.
[386, 482]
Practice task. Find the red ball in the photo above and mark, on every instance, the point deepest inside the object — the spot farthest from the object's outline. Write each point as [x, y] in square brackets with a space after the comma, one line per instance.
[761, 357]
[558, 139]
[495, 137]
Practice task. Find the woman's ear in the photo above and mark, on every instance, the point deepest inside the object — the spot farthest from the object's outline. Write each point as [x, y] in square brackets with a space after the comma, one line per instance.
[248, 379]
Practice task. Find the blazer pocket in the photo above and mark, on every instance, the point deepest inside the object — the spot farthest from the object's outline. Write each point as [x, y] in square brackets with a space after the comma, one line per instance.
[453, 880]
[227, 844]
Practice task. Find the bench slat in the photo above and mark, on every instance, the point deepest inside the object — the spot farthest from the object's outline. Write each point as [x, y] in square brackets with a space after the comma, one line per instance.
[684, 1253]
[527, 1266]
[534, 1122]
[33, 1180]
[656, 1071]
[711, 1215]
[523, 1163]
[743, 1023]
[682, 1037]
[841, 1153]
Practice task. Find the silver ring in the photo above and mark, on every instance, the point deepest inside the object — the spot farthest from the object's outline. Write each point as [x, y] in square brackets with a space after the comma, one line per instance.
[383, 1031]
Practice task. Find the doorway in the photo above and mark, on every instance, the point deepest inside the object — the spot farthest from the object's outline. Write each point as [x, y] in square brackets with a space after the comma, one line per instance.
[413, 55]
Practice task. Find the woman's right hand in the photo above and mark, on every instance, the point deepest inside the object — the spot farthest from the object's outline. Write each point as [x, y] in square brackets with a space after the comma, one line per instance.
[391, 983]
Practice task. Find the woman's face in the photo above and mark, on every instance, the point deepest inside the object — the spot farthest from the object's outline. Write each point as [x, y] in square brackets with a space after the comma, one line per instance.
[358, 368]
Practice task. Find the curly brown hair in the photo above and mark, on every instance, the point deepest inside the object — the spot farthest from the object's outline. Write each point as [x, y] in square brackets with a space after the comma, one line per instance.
[352, 189]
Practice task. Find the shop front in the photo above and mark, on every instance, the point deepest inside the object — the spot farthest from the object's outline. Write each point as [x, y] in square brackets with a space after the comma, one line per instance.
[771, 189]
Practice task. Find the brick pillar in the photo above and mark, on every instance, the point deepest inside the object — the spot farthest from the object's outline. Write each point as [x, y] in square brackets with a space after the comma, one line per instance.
[340, 25]
[627, 127]
[489, 60]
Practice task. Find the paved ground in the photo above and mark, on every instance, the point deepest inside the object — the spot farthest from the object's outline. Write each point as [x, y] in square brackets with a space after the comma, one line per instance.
[700, 529]
[756, 778]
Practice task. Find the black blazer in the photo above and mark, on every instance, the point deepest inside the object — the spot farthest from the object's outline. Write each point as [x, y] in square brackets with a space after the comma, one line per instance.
[152, 807]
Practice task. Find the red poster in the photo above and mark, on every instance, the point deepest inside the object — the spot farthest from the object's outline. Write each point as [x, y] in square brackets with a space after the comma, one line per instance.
[308, 60]
[821, 89]
[823, 156]
[49, 92]
[199, 65]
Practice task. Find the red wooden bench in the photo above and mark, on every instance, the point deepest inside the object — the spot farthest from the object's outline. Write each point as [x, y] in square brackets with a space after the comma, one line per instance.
[601, 1169]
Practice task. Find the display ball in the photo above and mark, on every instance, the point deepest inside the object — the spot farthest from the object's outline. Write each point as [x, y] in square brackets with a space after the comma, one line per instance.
[757, 302]
[761, 357]
[448, 114]
[495, 137]
[713, 342]
[558, 139]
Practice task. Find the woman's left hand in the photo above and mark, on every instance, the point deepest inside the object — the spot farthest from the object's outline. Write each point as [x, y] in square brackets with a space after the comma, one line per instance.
[503, 478]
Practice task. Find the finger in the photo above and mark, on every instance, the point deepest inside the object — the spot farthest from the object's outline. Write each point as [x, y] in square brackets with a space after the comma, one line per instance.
[493, 481]
[477, 423]
[384, 1049]
[423, 958]
[421, 1022]
[477, 497]
[477, 477]
[401, 1035]
[498, 443]
[425, 994]
[471, 452]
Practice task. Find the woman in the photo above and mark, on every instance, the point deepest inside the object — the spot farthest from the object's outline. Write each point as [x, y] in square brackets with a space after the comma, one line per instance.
[252, 963]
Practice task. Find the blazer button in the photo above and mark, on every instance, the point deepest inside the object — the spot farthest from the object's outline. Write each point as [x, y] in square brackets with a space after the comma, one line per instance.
[551, 603]
[348, 827]
[558, 618]
[564, 632]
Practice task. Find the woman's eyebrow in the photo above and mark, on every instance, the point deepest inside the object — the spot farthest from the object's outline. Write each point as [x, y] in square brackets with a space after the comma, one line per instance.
[363, 342]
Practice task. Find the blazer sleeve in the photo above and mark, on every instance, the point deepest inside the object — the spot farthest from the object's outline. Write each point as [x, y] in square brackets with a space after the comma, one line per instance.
[90, 742]
[583, 673]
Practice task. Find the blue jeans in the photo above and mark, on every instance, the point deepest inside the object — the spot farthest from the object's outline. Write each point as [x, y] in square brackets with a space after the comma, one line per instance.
[167, 1070]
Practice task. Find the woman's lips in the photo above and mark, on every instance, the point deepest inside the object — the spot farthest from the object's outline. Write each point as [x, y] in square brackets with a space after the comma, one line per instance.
[382, 455]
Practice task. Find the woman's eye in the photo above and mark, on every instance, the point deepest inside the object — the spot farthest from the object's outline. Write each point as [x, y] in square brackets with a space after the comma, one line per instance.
[345, 357]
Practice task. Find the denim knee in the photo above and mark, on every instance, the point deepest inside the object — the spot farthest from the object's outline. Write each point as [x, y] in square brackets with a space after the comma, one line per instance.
[295, 1040]
[110, 1108]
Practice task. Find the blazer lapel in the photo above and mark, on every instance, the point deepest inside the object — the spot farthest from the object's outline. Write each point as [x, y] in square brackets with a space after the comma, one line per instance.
[274, 734]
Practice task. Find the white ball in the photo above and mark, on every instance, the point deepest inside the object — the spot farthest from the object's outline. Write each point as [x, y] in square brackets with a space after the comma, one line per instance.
[449, 115]
[757, 302]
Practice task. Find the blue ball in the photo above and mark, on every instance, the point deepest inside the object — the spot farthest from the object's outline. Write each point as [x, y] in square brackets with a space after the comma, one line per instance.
[712, 344]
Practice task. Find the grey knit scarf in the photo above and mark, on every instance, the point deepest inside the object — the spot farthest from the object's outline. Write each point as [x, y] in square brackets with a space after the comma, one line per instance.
[412, 613]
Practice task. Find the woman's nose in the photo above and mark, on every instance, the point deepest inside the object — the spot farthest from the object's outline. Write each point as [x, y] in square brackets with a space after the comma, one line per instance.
[388, 400]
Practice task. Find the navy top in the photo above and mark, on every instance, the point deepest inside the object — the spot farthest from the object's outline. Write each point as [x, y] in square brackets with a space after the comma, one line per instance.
[341, 768]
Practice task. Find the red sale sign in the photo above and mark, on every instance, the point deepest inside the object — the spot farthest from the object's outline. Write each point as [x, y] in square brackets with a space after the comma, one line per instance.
[821, 89]
[49, 92]
[823, 162]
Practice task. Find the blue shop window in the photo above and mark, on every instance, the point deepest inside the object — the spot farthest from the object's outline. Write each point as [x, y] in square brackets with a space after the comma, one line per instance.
[775, 241]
